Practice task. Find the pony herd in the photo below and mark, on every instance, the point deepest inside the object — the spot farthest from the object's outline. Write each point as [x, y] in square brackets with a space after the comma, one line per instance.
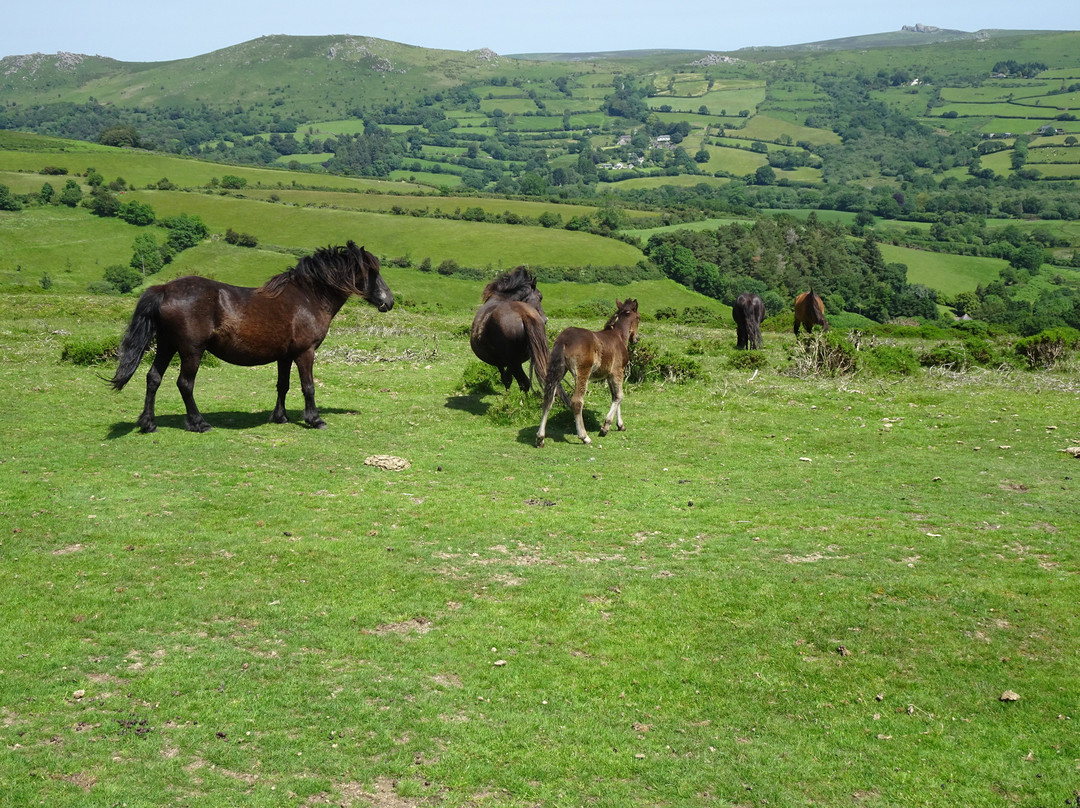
[286, 319]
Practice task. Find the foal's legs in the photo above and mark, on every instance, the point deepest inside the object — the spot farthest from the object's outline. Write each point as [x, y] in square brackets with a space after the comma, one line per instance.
[549, 399]
[278, 416]
[189, 366]
[162, 358]
[577, 401]
[615, 385]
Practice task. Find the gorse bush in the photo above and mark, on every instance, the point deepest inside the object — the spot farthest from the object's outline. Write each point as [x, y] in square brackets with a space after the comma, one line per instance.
[90, 351]
[749, 360]
[650, 362]
[1047, 348]
[889, 360]
[480, 379]
[944, 354]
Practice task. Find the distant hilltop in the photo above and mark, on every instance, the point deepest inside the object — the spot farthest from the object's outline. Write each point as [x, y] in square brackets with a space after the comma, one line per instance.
[919, 28]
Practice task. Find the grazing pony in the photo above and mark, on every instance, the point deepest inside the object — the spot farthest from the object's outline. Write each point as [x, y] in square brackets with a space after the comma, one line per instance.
[809, 311]
[592, 355]
[283, 321]
[509, 328]
[748, 312]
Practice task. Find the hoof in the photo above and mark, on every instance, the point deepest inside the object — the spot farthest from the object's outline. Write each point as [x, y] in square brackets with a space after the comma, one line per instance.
[539, 442]
[622, 428]
[279, 419]
[586, 440]
[147, 428]
[199, 427]
[603, 432]
[318, 423]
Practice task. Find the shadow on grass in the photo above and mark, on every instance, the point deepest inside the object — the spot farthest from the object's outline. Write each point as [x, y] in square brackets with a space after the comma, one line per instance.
[226, 419]
[471, 404]
[561, 427]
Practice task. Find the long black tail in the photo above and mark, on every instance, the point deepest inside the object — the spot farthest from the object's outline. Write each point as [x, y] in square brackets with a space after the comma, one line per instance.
[140, 332]
[538, 347]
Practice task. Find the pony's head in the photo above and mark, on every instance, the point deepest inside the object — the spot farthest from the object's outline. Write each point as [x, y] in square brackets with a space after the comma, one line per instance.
[370, 283]
[627, 316]
[515, 284]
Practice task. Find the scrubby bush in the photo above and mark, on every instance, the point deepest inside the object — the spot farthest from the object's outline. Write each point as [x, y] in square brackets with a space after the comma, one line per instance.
[240, 239]
[85, 351]
[944, 354]
[889, 360]
[480, 379]
[650, 362]
[749, 360]
[1047, 348]
[828, 353]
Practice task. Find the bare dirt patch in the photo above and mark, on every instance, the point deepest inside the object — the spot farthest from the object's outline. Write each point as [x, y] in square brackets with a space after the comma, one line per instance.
[416, 625]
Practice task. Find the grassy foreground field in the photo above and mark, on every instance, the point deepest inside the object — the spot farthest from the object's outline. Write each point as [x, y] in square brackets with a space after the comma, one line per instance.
[768, 590]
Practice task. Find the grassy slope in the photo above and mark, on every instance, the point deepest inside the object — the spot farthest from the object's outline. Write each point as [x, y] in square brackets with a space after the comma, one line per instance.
[767, 588]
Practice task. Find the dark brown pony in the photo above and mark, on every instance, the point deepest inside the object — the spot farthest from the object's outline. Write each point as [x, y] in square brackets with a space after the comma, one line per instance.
[509, 328]
[809, 311]
[748, 312]
[592, 355]
[283, 321]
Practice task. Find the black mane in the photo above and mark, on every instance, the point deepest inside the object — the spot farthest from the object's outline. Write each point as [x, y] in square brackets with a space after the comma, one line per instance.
[514, 284]
[343, 269]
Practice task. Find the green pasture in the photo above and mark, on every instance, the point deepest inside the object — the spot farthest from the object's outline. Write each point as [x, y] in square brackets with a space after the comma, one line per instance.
[1003, 90]
[427, 178]
[139, 168]
[738, 162]
[946, 273]
[762, 127]
[771, 588]
[679, 180]
[347, 126]
[704, 224]
[511, 106]
[430, 205]
[1037, 116]
[305, 159]
[69, 245]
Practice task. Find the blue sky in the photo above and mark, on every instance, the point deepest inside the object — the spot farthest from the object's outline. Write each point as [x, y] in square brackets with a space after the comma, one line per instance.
[141, 31]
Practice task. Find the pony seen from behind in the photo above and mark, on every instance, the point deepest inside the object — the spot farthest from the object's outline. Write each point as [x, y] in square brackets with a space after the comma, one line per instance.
[509, 328]
[748, 312]
[809, 311]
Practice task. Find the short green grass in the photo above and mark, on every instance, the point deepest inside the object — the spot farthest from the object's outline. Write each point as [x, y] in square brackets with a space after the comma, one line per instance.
[768, 590]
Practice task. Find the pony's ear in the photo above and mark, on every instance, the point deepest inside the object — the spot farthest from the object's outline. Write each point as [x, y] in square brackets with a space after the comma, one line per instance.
[632, 304]
[618, 305]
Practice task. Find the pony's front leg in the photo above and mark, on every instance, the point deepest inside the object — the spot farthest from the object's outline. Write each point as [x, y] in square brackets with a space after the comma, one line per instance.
[305, 364]
[278, 416]
[189, 366]
[615, 385]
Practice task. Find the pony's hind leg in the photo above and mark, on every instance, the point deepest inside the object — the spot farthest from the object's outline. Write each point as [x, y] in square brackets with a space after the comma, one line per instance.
[189, 367]
[577, 402]
[523, 380]
[615, 412]
[161, 361]
[284, 368]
